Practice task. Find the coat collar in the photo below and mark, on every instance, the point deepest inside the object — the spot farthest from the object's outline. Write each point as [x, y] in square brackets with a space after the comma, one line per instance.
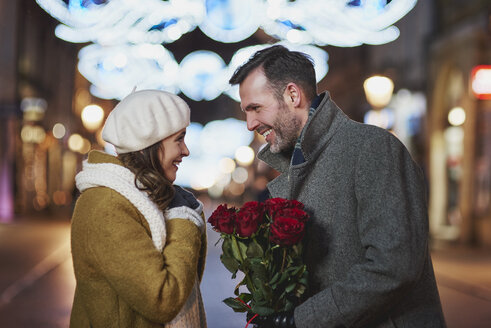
[319, 129]
[96, 156]
[103, 170]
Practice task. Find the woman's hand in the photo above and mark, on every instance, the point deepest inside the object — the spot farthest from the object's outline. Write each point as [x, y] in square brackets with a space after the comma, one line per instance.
[185, 206]
[183, 197]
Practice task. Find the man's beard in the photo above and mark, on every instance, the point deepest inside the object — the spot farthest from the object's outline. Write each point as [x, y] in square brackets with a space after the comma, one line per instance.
[286, 128]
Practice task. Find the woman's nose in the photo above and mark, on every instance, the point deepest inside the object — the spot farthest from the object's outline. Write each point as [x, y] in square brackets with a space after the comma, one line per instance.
[185, 150]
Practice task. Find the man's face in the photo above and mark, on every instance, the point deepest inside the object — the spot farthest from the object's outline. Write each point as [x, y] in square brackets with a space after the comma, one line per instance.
[271, 118]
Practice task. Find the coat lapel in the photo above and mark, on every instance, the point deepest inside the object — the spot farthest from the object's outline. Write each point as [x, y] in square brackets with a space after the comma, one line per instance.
[327, 117]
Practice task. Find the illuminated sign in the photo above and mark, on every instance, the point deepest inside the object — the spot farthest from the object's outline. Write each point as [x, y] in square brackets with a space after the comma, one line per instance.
[481, 81]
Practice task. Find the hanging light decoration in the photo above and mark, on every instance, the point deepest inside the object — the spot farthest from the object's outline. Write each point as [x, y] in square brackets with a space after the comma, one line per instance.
[115, 71]
[202, 75]
[129, 35]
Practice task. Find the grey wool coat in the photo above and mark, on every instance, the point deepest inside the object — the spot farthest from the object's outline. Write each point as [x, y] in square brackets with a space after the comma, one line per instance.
[366, 246]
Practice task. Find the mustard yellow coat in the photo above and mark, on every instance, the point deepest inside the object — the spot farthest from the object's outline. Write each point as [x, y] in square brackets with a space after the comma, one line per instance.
[122, 279]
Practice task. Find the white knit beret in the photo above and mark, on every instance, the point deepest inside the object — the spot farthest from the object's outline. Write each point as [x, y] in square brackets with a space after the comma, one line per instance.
[144, 118]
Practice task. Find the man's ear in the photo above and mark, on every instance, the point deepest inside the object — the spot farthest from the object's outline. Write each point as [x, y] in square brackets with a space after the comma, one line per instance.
[293, 95]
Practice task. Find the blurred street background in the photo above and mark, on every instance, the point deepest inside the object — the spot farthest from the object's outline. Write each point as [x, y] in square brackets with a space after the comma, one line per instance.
[418, 68]
[37, 281]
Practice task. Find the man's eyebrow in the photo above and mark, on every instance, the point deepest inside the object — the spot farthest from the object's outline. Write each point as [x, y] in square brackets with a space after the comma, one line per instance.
[250, 107]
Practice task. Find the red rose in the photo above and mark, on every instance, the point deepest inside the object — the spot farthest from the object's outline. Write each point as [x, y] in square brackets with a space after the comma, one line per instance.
[223, 219]
[294, 213]
[286, 231]
[250, 215]
[292, 203]
[253, 206]
[275, 205]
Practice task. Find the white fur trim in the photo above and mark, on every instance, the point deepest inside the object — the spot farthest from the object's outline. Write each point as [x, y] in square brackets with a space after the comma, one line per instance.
[122, 180]
[184, 212]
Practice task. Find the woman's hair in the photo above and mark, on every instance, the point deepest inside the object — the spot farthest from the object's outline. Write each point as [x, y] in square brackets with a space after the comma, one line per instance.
[149, 175]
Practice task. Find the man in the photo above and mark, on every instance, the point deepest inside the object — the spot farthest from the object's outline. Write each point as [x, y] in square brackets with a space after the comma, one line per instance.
[366, 248]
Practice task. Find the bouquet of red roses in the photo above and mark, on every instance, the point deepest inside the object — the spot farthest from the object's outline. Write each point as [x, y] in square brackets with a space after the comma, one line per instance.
[263, 240]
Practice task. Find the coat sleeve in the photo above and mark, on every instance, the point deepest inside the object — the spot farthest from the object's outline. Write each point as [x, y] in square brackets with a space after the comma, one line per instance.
[393, 230]
[154, 284]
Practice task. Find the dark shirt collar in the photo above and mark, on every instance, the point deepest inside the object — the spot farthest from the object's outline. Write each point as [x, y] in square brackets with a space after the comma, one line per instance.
[316, 101]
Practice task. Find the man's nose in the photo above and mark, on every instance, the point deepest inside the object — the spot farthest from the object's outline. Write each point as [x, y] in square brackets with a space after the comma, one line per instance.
[252, 123]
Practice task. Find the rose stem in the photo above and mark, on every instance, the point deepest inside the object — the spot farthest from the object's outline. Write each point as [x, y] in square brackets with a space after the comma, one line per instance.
[283, 262]
[242, 261]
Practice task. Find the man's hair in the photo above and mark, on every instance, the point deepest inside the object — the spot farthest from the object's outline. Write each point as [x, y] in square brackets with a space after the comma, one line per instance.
[280, 66]
[149, 174]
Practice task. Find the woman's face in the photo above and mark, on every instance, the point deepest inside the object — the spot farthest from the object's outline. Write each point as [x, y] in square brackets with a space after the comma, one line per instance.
[172, 151]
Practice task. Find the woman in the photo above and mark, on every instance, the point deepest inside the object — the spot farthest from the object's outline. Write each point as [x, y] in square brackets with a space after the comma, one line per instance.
[138, 242]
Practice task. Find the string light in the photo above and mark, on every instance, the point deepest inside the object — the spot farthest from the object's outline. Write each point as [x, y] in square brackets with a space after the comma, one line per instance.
[118, 27]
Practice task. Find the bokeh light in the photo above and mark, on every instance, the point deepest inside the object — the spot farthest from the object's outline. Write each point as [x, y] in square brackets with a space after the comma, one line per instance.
[75, 142]
[59, 131]
[378, 90]
[456, 116]
[244, 155]
[32, 134]
[92, 117]
[227, 165]
[240, 175]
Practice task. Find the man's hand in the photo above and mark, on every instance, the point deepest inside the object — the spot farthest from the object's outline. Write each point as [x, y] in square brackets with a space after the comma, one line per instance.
[258, 321]
[277, 320]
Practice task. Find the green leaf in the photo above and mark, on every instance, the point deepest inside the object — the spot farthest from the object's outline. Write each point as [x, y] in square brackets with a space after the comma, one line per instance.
[304, 277]
[290, 287]
[258, 271]
[242, 247]
[238, 249]
[275, 279]
[290, 270]
[296, 272]
[262, 310]
[265, 290]
[300, 290]
[227, 247]
[235, 304]
[246, 297]
[230, 263]
[258, 296]
[297, 249]
[243, 282]
[254, 250]
[284, 277]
